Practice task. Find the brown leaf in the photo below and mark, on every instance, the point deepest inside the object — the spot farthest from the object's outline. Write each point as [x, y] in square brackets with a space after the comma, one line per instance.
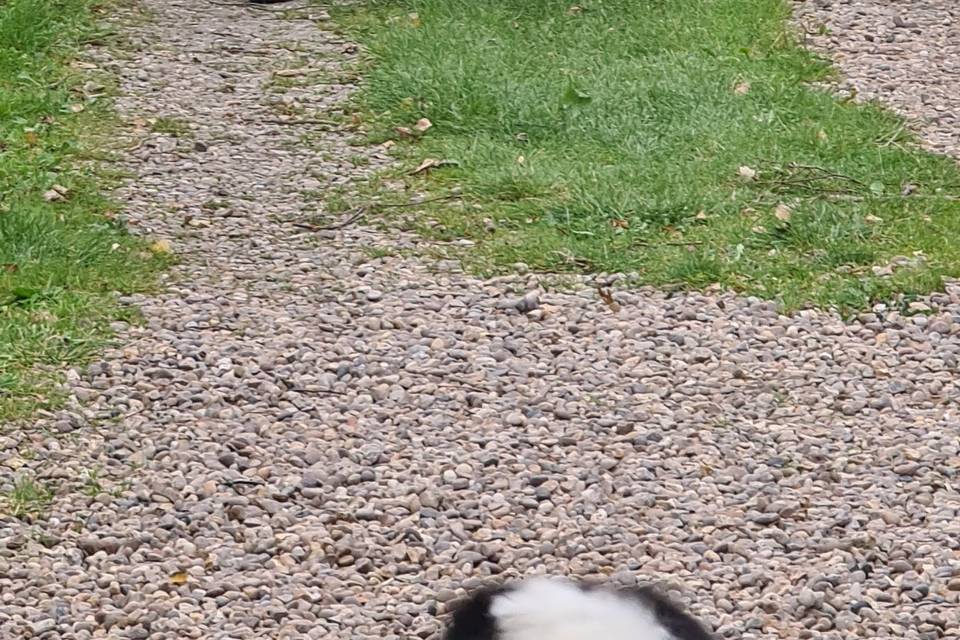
[56, 193]
[10, 267]
[608, 299]
[747, 173]
[404, 132]
[180, 577]
[422, 125]
[620, 223]
[432, 163]
[872, 219]
[30, 137]
[426, 165]
[782, 213]
[742, 88]
[76, 108]
[701, 215]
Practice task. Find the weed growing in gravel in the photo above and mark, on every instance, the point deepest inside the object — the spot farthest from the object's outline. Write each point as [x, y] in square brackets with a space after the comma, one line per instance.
[678, 140]
[63, 252]
[28, 498]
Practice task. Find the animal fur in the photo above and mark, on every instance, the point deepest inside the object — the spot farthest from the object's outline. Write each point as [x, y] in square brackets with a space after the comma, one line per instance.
[551, 609]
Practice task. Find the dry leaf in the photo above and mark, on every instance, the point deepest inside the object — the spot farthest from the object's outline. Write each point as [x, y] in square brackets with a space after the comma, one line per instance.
[56, 193]
[161, 246]
[76, 108]
[701, 215]
[180, 577]
[608, 299]
[427, 164]
[747, 172]
[620, 223]
[822, 135]
[388, 144]
[30, 137]
[415, 19]
[742, 88]
[404, 132]
[782, 213]
[759, 229]
[422, 125]
[9, 267]
[574, 10]
[872, 219]
[521, 159]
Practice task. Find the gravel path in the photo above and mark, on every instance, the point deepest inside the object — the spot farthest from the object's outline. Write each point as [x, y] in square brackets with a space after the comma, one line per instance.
[308, 442]
[904, 54]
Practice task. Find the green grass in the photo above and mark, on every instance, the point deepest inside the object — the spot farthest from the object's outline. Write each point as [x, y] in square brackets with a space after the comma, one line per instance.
[27, 498]
[62, 259]
[609, 136]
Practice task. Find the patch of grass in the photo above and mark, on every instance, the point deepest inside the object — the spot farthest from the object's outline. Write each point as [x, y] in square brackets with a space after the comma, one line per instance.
[28, 498]
[609, 136]
[170, 126]
[63, 255]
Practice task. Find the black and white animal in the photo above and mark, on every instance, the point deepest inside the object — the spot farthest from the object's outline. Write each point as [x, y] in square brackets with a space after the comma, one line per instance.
[551, 609]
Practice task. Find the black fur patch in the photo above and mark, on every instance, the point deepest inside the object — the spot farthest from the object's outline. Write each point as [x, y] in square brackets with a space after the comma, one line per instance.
[471, 618]
[678, 622]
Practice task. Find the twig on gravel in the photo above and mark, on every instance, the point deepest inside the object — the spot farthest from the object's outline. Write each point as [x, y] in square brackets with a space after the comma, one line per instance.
[330, 123]
[363, 209]
[353, 217]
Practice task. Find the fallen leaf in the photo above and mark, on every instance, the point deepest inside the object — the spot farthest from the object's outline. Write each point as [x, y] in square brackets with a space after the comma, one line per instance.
[388, 144]
[782, 213]
[742, 88]
[30, 137]
[701, 215]
[56, 193]
[521, 159]
[608, 299]
[432, 163]
[428, 163]
[76, 108]
[422, 125]
[161, 246]
[620, 223]
[747, 172]
[822, 135]
[872, 219]
[574, 10]
[415, 19]
[404, 132]
[759, 229]
[10, 267]
[180, 577]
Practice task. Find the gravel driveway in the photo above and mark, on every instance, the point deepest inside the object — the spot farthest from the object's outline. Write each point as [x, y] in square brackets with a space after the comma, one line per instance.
[308, 441]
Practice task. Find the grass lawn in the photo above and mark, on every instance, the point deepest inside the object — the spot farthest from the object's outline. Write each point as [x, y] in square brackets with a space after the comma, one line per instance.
[682, 141]
[62, 254]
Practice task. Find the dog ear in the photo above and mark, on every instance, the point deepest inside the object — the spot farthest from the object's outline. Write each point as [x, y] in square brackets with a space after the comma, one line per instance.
[669, 614]
[471, 618]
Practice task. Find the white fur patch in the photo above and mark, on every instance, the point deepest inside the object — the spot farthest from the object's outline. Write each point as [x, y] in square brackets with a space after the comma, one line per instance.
[548, 609]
